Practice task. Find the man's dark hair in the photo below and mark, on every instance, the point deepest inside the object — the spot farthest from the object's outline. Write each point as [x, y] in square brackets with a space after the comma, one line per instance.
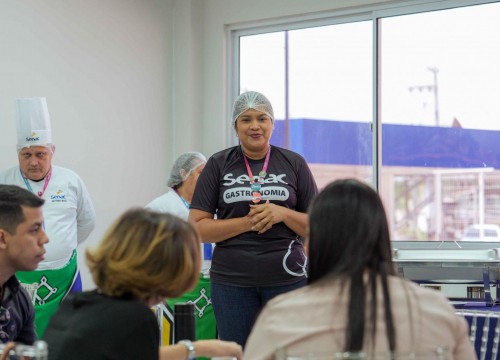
[12, 198]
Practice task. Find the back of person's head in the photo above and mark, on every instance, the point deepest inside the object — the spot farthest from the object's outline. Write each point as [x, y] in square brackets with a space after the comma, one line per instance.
[146, 254]
[184, 166]
[348, 231]
[12, 199]
[349, 241]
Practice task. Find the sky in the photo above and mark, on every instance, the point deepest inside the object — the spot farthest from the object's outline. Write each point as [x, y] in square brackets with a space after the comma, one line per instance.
[456, 51]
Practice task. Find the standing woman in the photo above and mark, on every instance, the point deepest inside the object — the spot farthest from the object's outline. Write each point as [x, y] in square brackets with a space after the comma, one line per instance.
[260, 195]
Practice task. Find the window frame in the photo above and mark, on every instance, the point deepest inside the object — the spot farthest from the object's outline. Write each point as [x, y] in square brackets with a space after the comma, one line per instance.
[373, 13]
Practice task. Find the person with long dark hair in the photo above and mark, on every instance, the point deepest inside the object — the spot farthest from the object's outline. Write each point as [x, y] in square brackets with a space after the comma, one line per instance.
[251, 200]
[354, 301]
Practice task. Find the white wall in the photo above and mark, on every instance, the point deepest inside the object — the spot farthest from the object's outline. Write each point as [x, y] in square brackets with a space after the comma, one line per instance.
[130, 85]
[105, 68]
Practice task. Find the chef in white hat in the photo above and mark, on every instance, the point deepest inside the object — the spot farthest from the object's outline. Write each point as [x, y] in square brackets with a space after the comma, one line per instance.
[69, 215]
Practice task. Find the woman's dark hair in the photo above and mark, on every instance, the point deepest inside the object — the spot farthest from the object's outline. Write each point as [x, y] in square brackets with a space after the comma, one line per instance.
[349, 240]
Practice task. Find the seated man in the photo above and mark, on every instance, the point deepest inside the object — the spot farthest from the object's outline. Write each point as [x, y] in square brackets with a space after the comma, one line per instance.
[22, 240]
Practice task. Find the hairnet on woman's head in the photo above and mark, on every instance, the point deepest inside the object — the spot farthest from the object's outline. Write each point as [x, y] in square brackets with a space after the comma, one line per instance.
[252, 100]
[184, 166]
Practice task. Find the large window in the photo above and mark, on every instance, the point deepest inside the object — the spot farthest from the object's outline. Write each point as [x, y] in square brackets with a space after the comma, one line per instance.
[440, 110]
[433, 103]
[319, 81]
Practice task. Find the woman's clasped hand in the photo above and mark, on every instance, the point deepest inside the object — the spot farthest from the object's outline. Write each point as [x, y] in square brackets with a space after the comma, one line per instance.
[262, 217]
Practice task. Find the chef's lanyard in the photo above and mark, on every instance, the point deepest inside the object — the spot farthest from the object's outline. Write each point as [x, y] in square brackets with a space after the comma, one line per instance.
[256, 195]
[47, 180]
[40, 193]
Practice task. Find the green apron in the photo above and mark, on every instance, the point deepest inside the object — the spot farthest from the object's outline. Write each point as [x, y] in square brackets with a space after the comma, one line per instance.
[204, 312]
[53, 285]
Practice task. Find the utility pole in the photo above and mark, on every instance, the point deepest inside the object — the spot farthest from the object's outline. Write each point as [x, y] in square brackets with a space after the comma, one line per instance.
[432, 88]
[287, 113]
[435, 72]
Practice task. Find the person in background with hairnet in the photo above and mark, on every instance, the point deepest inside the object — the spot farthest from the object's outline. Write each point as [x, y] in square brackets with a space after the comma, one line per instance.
[181, 183]
[68, 212]
[260, 195]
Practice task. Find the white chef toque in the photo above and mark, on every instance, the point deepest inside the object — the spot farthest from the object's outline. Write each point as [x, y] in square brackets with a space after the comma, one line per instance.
[33, 123]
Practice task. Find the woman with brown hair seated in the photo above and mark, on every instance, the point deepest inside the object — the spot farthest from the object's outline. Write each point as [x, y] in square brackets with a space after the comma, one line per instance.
[145, 257]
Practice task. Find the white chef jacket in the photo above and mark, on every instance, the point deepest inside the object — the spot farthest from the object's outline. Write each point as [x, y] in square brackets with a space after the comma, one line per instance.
[69, 215]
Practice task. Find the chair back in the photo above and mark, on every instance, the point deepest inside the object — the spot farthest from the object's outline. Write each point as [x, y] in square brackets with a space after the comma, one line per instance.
[484, 332]
[165, 319]
[37, 351]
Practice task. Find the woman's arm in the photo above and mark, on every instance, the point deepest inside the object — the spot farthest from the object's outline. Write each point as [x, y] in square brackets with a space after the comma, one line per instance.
[6, 350]
[215, 230]
[203, 348]
[264, 216]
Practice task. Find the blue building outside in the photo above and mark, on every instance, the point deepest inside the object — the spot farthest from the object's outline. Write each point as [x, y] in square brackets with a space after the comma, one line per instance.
[350, 143]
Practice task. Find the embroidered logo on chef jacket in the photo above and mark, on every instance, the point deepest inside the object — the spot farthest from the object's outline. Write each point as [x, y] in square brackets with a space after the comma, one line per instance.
[59, 196]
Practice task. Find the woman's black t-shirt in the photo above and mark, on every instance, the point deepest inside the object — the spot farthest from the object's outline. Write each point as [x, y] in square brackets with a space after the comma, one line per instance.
[275, 257]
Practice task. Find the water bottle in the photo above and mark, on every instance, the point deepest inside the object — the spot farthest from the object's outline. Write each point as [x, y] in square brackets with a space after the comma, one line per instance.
[184, 322]
[206, 262]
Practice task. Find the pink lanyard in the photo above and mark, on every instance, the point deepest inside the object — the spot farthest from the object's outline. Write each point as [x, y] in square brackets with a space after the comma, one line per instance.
[263, 173]
[47, 179]
[256, 195]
